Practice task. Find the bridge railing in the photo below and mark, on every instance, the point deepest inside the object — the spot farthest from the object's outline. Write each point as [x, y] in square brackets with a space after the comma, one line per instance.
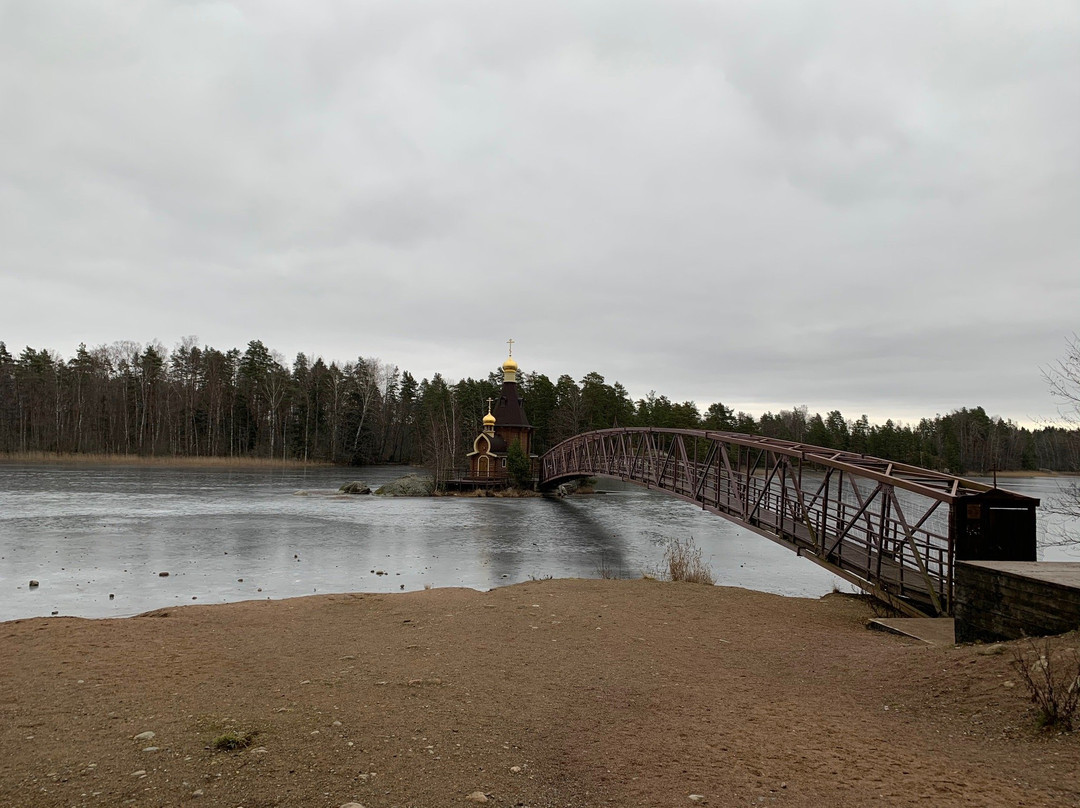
[887, 527]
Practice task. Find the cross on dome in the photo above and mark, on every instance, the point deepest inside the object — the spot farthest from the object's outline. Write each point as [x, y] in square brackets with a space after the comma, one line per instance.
[510, 367]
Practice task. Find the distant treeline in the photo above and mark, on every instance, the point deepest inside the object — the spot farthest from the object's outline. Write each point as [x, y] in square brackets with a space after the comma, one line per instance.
[126, 398]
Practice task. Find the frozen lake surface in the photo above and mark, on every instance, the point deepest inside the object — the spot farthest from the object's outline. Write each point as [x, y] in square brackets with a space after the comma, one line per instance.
[229, 535]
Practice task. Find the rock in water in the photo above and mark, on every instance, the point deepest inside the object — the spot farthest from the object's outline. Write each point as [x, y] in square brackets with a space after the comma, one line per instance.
[411, 485]
[355, 487]
[33, 584]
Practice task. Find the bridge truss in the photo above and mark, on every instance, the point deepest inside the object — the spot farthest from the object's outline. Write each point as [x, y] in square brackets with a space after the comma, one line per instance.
[891, 529]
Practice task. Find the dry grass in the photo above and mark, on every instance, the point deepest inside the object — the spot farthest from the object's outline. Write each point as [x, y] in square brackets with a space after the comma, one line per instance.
[1052, 681]
[234, 740]
[604, 570]
[156, 460]
[682, 562]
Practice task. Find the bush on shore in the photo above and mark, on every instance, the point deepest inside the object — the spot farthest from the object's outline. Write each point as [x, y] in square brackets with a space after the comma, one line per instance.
[682, 562]
[1052, 682]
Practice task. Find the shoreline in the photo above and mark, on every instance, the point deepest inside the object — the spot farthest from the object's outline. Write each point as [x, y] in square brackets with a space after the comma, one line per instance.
[1024, 474]
[202, 461]
[161, 461]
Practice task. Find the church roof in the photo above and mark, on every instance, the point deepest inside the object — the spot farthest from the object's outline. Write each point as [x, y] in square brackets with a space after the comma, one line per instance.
[493, 444]
[510, 409]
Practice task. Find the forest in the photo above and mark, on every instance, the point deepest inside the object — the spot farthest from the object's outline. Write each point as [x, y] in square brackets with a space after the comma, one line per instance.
[127, 398]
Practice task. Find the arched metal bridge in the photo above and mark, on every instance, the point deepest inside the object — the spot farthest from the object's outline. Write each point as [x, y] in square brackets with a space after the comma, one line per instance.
[891, 529]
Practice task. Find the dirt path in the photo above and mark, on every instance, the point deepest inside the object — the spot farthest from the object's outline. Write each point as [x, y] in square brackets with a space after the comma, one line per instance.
[555, 693]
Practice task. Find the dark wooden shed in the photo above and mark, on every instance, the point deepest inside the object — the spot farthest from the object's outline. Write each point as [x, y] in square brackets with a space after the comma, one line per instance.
[995, 525]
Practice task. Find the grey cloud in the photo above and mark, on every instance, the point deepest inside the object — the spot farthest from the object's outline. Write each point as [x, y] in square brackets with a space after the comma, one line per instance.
[774, 203]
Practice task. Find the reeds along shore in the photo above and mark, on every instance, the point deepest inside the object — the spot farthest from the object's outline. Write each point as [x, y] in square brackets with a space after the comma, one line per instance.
[173, 461]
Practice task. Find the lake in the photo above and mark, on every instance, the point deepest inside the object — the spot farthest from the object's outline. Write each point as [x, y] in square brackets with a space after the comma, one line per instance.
[86, 533]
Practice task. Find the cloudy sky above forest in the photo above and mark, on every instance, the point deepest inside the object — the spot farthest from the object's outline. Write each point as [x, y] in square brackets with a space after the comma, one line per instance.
[867, 206]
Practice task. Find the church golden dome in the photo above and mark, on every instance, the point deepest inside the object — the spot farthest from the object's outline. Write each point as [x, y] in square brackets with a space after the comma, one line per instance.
[489, 419]
[510, 367]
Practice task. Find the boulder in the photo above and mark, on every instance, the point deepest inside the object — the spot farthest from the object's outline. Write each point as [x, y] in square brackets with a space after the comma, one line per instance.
[411, 485]
[355, 487]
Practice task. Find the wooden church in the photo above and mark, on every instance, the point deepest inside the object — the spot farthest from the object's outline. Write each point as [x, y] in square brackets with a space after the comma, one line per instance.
[503, 424]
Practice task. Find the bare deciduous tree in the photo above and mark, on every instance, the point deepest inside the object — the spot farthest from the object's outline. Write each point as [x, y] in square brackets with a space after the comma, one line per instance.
[1064, 380]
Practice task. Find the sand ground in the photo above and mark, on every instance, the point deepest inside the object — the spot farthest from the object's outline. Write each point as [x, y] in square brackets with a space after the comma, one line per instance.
[551, 693]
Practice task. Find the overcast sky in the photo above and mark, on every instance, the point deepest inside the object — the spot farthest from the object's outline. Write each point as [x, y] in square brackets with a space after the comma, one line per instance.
[866, 206]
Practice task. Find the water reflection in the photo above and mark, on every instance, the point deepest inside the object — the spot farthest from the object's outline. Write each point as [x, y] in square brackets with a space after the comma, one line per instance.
[605, 549]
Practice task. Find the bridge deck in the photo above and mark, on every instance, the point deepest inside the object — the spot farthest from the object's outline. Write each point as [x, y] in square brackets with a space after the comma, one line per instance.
[847, 555]
[888, 528]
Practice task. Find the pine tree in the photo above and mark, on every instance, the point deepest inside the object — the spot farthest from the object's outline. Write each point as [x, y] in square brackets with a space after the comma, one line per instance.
[518, 466]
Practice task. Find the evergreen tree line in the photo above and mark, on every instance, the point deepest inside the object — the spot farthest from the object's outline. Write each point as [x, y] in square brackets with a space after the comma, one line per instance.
[126, 398]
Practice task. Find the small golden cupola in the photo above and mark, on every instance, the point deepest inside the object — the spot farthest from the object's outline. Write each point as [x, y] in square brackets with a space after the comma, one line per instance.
[489, 419]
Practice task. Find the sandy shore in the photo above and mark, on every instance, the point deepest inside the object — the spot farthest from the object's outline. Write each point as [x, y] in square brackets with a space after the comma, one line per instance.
[553, 693]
